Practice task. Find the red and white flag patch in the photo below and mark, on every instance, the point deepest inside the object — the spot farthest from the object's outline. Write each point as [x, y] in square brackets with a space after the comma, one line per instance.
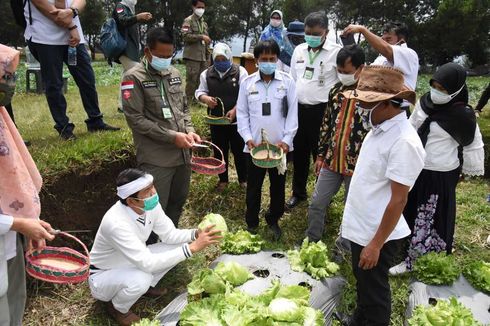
[185, 28]
[127, 85]
[119, 10]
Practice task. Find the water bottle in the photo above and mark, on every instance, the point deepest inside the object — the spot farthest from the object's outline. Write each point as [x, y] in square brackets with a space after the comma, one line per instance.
[72, 56]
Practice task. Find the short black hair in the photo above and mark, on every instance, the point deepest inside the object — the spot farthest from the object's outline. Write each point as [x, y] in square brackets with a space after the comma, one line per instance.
[158, 35]
[400, 29]
[269, 46]
[317, 18]
[194, 2]
[354, 52]
[127, 176]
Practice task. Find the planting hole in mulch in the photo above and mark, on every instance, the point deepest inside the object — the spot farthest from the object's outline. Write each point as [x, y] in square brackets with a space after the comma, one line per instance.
[306, 285]
[432, 301]
[262, 273]
[278, 255]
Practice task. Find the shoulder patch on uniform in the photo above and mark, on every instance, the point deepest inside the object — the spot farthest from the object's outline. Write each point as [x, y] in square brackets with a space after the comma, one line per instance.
[185, 28]
[175, 81]
[149, 83]
[127, 85]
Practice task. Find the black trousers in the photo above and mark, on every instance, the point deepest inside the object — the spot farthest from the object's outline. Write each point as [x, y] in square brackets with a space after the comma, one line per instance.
[485, 96]
[226, 138]
[8, 107]
[255, 180]
[373, 288]
[305, 145]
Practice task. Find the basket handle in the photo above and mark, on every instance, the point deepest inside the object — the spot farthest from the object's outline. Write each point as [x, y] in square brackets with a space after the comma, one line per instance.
[213, 145]
[67, 235]
[222, 107]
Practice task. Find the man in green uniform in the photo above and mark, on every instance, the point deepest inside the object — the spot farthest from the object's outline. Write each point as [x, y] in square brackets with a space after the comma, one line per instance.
[196, 54]
[157, 113]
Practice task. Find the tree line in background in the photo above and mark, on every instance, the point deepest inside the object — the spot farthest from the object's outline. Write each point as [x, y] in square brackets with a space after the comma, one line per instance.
[440, 29]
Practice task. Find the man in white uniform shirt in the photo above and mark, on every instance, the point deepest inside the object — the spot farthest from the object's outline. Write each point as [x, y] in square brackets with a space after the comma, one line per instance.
[389, 163]
[313, 67]
[122, 267]
[393, 51]
[52, 27]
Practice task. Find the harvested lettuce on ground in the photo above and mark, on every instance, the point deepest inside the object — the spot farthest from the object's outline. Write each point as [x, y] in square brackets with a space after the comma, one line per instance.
[436, 269]
[217, 220]
[206, 280]
[233, 272]
[241, 242]
[478, 274]
[444, 313]
[312, 258]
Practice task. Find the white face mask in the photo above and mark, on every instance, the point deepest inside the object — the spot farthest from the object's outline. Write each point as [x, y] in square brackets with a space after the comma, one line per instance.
[275, 22]
[366, 116]
[439, 97]
[199, 12]
[347, 79]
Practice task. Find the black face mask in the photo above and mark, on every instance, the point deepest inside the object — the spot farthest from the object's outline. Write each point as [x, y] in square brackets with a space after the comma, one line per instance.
[7, 91]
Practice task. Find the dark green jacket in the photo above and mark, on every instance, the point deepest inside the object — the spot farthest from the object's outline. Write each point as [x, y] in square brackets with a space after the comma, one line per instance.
[128, 27]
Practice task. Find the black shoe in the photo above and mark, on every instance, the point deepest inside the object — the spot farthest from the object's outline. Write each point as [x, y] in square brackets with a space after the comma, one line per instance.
[276, 232]
[104, 127]
[68, 136]
[252, 230]
[293, 202]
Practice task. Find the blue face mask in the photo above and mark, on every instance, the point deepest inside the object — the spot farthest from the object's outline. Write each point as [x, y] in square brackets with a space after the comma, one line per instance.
[150, 202]
[267, 68]
[222, 66]
[160, 64]
[313, 41]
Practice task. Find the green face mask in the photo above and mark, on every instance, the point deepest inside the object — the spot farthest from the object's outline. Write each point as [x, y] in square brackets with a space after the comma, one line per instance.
[150, 202]
[313, 41]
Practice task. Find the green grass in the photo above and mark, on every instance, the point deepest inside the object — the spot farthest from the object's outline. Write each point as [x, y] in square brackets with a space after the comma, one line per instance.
[72, 305]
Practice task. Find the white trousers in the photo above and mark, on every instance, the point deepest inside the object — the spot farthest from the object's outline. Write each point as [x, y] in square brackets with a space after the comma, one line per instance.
[126, 64]
[124, 286]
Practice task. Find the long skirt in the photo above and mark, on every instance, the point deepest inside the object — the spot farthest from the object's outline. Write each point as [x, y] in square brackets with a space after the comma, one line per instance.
[431, 213]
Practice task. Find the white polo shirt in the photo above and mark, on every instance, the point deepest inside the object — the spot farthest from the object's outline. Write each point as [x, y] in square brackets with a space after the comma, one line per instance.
[404, 59]
[311, 90]
[44, 31]
[392, 151]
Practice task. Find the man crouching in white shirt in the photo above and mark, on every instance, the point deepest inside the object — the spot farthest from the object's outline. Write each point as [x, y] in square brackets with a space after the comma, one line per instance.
[123, 268]
[389, 163]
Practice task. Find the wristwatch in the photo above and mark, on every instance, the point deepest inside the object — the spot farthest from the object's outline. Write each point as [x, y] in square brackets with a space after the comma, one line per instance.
[75, 12]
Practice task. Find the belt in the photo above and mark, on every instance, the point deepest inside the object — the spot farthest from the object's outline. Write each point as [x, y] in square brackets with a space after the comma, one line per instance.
[314, 106]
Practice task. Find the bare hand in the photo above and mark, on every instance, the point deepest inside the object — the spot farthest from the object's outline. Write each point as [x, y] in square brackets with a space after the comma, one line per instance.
[63, 17]
[183, 140]
[144, 16]
[209, 101]
[205, 238]
[33, 229]
[284, 146]
[369, 257]
[206, 39]
[353, 29]
[74, 38]
[38, 245]
[251, 145]
[318, 165]
[231, 115]
[195, 137]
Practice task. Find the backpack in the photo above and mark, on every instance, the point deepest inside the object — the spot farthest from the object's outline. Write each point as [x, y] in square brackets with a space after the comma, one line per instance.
[112, 42]
[17, 7]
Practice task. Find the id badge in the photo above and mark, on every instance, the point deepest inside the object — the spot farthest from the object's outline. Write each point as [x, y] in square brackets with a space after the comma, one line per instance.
[266, 109]
[321, 80]
[309, 73]
[167, 113]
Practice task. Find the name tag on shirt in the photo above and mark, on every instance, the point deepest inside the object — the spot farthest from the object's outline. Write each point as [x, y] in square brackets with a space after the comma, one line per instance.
[175, 81]
[167, 113]
[149, 84]
[266, 109]
[253, 93]
[321, 80]
[309, 71]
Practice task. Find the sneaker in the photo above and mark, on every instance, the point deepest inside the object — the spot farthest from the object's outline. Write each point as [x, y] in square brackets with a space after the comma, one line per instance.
[68, 136]
[399, 269]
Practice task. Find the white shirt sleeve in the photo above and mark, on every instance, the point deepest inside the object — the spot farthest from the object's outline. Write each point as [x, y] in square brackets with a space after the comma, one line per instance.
[6, 222]
[243, 115]
[405, 59]
[243, 75]
[418, 116]
[168, 233]
[291, 126]
[203, 85]
[405, 162]
[474, 156]
[292, 70]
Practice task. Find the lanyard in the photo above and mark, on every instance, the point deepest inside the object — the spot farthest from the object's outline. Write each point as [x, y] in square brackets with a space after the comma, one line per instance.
[163, 94]
[314, 56]
[266, 86]
[200, 25]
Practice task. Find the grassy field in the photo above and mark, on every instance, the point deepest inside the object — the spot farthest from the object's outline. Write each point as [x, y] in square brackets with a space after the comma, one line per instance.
[72, 305]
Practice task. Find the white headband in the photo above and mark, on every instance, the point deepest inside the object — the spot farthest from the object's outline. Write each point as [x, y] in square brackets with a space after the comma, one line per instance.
[133, 187]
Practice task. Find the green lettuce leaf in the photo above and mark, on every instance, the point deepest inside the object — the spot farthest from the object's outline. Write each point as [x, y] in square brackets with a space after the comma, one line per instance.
[206, 280]
[147, 322]
[206, 312]
[478, 274]
[282, 309]
[436, 269]
[444, 313]
[312, 317]
[312, 258]
[241, 242]
[217, 220]
[233, 273]
[297, 293]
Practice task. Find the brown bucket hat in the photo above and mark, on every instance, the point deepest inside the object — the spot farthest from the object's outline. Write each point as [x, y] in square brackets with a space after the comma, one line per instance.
[381, 83]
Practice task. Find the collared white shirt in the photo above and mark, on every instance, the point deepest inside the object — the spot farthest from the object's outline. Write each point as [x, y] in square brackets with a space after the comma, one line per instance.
[253, 93]
[442, 149]
[324, 67]
[121, 240]
[203, 88]
[44, 31]
[392, 151]
[9, 237]
[404, 59]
